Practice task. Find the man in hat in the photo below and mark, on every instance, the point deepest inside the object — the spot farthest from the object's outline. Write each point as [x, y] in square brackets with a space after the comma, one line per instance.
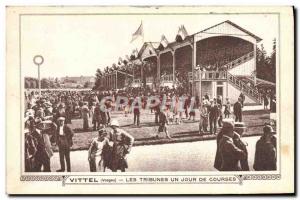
[213, 116]
[239, 129]
[97, 117]
[242, 98]
[122, 144]
[230, 153]
[237, 110]
[265, 152]
[48, 109]
[29, 151]
[37, 147]
[218, 158]
[40, 113]
[60, 112]
[206, 96]
[69, 111]
[136, 106]
[29, 111]
[64, 135]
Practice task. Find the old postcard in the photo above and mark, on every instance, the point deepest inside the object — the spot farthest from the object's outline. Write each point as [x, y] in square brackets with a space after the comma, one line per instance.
[150, 100]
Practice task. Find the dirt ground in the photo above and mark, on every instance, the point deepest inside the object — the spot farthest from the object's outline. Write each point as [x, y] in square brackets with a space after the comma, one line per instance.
[185, 132]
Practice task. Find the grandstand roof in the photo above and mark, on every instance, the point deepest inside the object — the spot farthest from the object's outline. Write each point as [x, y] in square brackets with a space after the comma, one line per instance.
[172, 45]
[258, 39]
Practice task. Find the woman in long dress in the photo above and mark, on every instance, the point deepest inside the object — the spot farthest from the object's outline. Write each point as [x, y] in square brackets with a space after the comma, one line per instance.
[203, 119]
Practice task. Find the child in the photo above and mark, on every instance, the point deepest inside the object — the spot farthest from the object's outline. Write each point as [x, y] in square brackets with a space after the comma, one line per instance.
[227, 108]
[96, 151]
[163, 121]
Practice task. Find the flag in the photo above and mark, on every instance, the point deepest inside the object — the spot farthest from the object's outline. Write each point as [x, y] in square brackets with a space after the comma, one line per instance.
[138, 33]
[182, 32]
[164, 42]
[135, 53]
[120, 61]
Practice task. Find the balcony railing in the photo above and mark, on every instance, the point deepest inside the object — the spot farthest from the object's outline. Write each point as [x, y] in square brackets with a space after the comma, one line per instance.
[167, 78]
[149, 80]
[208, 76]
[136, 81]
[242, 85]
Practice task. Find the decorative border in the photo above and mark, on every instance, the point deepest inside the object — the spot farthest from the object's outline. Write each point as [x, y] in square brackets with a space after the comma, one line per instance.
[241, 179]
[63, 178]
[41, 178]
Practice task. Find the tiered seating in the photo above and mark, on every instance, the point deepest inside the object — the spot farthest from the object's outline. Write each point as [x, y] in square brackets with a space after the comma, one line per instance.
[213, 60]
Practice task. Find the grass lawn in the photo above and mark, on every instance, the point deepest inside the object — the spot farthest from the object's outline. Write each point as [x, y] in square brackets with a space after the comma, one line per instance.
[184, 132]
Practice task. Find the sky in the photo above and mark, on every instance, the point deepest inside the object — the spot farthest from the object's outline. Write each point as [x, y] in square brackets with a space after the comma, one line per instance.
[78, 45]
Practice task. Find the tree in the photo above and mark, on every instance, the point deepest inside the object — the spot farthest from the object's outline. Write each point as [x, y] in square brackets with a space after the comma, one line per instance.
[52, 84]
[57, 83]
[114, 67]
[99, 73]
[45, 83]
[273, 62]
[99, 76]
[30, 82]
[27, 84]
[266, 65]
[86, 84]
[106, 70]
[34, 84]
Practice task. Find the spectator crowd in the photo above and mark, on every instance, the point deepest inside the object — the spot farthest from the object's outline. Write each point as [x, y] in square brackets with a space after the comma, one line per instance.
[48, 118]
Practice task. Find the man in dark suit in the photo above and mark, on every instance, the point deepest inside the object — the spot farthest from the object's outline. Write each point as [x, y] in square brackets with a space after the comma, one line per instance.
[213, 116]
[242, 96]
[239, 129]
[237, 110]
[230, 153]
[206, 96]
[265, 153]
[64, 141]
[37, 148]
[136, 111]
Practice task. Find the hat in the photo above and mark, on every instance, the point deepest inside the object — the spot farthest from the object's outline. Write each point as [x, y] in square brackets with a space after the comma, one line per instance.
[26, 130]
[228, 123]
[114, 123]
[102, 131]
[61, 105]
[48, 103]
[38, 120]
[44, 125]
[238, 125]
[268, 129]
[61, 119]
[29, 114]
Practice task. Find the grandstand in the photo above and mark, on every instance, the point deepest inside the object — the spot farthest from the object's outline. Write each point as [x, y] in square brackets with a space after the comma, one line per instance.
[219, 61]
